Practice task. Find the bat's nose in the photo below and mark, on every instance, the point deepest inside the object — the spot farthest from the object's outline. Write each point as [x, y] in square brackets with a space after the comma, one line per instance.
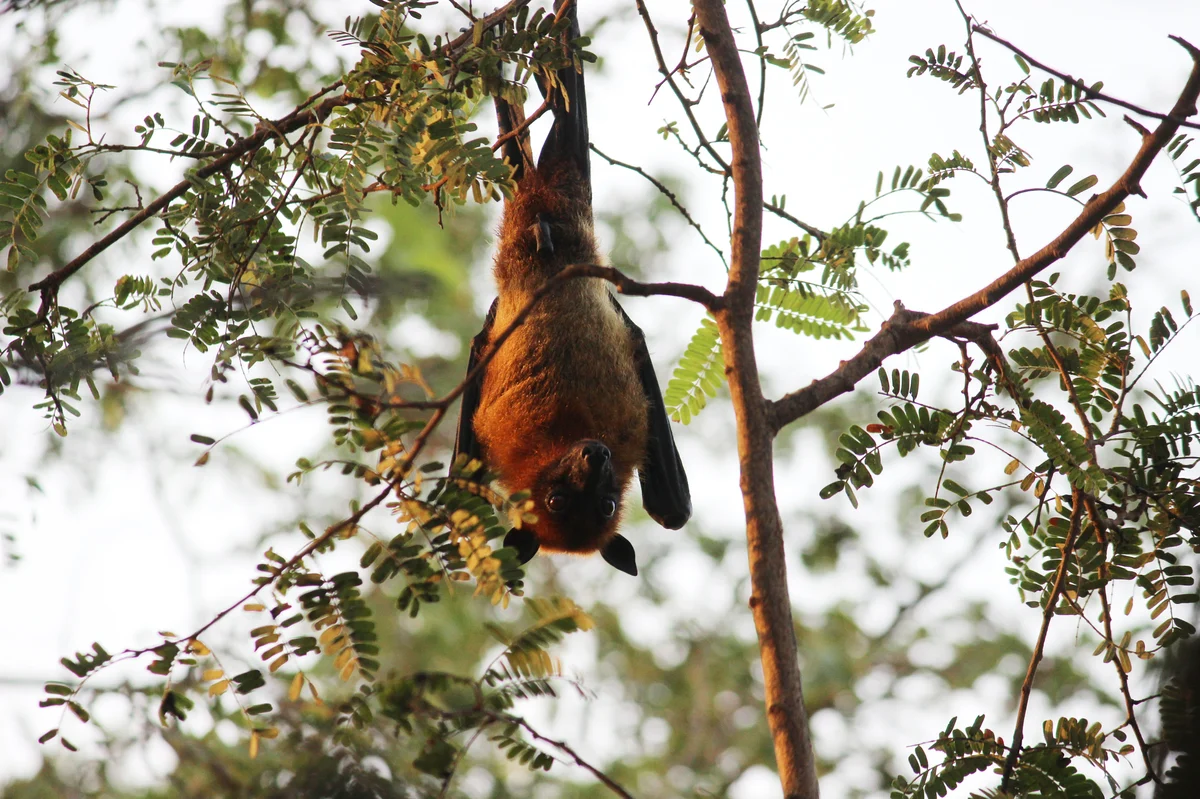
[596, 454]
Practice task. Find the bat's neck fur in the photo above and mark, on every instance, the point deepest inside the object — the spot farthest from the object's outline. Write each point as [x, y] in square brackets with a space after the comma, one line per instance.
[561, 200]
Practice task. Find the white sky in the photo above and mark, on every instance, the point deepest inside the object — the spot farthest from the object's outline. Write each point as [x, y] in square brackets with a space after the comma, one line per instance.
[89, 559]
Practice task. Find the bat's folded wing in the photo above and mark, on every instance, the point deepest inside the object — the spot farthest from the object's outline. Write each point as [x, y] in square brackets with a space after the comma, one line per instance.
[665, 493]
[465, 442]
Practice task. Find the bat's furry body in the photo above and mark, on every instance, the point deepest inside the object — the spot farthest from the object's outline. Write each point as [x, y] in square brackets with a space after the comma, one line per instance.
[569, 407]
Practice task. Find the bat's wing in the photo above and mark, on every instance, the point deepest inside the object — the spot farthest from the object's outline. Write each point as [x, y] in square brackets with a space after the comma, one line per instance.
[665, 493]
[465, 442]
[568, 136]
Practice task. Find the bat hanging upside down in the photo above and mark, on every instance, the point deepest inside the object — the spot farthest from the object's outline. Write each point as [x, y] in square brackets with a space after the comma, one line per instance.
[569, 406]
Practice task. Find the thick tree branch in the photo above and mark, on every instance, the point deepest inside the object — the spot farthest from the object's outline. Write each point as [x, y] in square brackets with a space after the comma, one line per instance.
[903, 331]
[769, 598]
[524, 126]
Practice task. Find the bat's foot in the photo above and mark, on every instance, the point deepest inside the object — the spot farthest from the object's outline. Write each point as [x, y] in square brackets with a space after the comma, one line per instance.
[541, 234]
[619, 554]
[524, 541]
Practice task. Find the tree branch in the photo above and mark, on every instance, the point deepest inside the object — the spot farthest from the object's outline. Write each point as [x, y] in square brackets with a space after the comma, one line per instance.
[519, 129]
[1060, 581]
[769, 600]
[624, 285]
[300, 117]
[815, 232]
[604, 779]
[1088, 93]
[670, 195]
[684, 102]
[901, 332]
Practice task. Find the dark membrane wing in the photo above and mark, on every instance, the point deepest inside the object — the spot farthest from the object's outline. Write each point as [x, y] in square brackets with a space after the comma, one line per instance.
[465, 442]
[568, 137]
[665, 492]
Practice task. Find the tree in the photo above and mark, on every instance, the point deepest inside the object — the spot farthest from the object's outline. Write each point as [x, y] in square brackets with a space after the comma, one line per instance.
[1095, 485]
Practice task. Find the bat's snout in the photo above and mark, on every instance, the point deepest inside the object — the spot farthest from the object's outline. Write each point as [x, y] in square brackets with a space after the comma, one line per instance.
[595, 454]
[591, 465]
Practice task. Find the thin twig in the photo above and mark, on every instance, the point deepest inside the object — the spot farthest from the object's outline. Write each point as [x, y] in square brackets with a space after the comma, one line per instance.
[762, 63]
[684, 102]
[478, 712]
[1060, 578]
[815, 232]
[1090, 94]
[519, 129]
[670, 195]
[1122, 676]
[464, 11]
[606, 780]
[993, 167]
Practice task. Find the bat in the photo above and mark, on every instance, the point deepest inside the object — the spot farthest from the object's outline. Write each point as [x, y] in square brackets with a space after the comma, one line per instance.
[569, 407]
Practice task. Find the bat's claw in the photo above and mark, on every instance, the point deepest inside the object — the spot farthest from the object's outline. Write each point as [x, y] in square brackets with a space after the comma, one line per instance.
[541, 233]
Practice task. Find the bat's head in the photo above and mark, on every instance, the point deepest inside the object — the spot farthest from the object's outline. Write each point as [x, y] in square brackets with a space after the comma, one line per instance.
[577, 499]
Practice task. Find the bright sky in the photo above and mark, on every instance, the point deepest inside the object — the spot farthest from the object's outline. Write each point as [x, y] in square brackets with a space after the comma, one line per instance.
[126, 538]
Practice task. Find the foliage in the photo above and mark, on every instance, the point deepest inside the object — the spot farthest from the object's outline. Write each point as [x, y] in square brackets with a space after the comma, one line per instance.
[1100, 468]
[265, 263]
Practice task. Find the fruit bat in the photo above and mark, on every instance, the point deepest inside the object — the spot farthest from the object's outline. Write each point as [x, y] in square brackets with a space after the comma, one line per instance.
[569, 406]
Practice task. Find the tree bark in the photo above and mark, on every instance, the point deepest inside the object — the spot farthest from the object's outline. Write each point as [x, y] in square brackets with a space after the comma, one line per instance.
[769, 599]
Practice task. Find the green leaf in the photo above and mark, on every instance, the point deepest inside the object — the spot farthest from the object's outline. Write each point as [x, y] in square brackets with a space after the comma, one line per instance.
[1083, 185]
[1059, 176]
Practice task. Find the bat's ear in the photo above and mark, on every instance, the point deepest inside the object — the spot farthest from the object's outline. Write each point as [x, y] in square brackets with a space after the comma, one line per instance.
[619, 554]
[525, 542]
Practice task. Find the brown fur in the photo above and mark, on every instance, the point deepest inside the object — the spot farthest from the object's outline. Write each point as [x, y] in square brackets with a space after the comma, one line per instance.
[568, 372]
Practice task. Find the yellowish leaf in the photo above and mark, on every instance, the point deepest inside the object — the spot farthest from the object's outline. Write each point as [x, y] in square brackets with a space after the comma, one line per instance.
[330, 634]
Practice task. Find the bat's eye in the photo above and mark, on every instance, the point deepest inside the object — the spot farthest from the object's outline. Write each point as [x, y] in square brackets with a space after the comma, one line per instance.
[557, 503]
[608, 507]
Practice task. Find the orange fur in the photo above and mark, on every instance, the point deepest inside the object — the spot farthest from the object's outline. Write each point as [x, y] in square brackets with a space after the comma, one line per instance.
[568, 372]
